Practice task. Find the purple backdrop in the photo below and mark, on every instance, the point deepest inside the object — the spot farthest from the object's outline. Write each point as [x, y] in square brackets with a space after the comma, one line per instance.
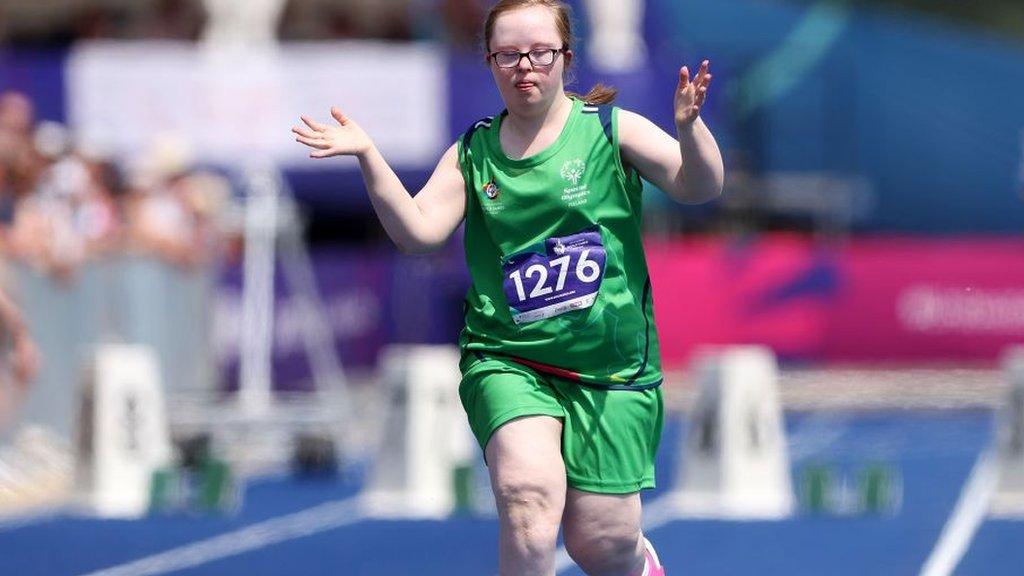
[372, 297]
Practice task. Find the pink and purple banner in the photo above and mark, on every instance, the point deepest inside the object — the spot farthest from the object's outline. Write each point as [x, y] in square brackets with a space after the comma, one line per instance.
[864, 299]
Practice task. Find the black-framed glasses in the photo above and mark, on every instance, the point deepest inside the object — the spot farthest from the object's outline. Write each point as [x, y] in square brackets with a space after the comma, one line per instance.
[537, 57]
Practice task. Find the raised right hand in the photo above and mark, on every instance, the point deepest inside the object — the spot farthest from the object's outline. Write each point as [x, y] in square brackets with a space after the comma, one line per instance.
[345, 139]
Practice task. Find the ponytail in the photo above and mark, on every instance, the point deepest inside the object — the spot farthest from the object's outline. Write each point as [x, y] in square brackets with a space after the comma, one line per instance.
[599, 94]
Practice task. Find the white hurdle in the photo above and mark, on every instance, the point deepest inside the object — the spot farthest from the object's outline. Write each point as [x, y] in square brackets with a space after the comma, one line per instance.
[123, 434]
[426, 435]
[995, 487]
[735, 463]
[1008, 500]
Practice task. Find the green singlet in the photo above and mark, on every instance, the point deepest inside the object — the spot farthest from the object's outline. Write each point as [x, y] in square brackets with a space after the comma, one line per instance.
[553, 244]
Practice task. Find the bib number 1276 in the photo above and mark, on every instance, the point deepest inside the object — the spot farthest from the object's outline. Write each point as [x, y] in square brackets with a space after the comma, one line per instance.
[566, 276]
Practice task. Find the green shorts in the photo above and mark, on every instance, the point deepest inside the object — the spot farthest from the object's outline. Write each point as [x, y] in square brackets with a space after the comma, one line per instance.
[609, 437]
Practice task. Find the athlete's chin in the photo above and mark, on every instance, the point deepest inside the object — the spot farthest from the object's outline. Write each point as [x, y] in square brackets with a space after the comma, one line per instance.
[526, 98]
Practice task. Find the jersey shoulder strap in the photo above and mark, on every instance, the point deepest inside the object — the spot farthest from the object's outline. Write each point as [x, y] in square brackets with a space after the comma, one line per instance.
[467, 136]
[604, 115]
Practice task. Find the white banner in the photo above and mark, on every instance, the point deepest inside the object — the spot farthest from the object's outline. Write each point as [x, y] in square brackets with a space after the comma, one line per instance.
[238, 106]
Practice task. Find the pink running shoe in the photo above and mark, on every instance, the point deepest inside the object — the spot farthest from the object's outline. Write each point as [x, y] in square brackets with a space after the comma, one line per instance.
[654, 567]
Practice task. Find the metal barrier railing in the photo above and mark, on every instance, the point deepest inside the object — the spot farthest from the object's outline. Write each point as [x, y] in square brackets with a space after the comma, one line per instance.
[123, 298]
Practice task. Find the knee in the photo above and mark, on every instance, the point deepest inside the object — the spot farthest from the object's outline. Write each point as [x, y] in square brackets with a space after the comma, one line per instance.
[529, 508]
[602, 551]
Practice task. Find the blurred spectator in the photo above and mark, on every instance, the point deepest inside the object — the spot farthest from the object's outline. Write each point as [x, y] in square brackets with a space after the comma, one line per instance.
[68, 215]
[43, 234]
[87, 185]
[17, 115]
[22, 166]
[101, 217]
[19, 359]
[463, 22]
[188, 19]
[299, 21]
[56, 204]
[341, 24]
[97, 23]
[171, 208]
[331, 19]
[394, 24]
[173, 20]
[61, 206]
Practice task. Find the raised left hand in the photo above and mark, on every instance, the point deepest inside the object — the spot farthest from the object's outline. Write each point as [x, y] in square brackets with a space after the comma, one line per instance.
[690, 95]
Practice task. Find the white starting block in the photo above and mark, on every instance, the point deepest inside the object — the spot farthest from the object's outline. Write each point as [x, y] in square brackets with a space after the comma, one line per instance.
[1008, 500]
[426, 436]
[735, 463]
[122, 431]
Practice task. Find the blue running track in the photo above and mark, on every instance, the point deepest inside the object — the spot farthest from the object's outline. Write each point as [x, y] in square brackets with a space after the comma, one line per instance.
[933, 452]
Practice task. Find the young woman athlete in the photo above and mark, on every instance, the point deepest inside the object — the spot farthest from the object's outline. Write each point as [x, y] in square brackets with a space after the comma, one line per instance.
[560, 364]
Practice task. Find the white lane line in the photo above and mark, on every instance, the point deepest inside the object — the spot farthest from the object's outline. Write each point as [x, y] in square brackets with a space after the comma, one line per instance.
[815, 436]
[307, 522]
[967, 516]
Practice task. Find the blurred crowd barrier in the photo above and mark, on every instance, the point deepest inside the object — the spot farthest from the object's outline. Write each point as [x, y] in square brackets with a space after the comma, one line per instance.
[97, 249]
[903, 300]
[122, 298]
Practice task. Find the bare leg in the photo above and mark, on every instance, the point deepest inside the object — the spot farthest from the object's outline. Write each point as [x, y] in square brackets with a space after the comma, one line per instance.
[524, 457]
[602, 532]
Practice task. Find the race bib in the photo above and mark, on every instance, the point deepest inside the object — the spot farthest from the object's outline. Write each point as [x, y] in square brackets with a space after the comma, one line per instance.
[565, 277]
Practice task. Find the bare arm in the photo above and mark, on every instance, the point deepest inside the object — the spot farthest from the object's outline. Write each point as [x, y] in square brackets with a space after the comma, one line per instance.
[417, 224]
[689, 167]
[23, 356]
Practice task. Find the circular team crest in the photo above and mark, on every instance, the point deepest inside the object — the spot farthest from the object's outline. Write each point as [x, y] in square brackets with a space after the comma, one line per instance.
[572, 170]
[559, 248]
[491, 190]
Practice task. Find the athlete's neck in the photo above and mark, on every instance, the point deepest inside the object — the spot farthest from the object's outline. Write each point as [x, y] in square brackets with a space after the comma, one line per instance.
[529, 123]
